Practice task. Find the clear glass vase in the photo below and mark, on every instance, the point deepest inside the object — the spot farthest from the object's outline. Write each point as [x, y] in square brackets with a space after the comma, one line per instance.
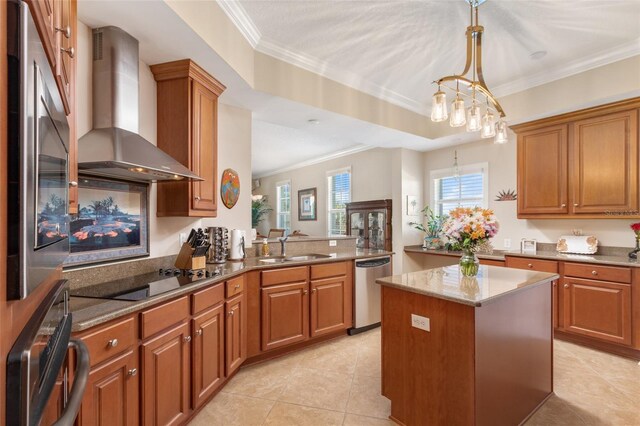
[469, 263]
[634, 253]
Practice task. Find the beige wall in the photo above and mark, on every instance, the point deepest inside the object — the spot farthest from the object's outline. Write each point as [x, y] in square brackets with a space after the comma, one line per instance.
[234, 151]
[502, 176]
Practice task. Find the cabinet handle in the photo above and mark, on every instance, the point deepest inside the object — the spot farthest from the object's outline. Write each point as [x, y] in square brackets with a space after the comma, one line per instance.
[566, 286]
[594, 273]
[133, 372]
[197, 198]
[530, 265]
[187, 339]
[112, 343]
[73, 183]
[199, 332]
[66, 32]
[70, 51]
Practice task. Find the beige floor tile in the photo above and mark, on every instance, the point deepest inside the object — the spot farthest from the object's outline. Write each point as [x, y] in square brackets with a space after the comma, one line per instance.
[556, 412]
[369, 362]
[265, 380]
[283, 414]
[365, 398]
[234, 410]
[320, 389]
[336, 357]
[355, 420]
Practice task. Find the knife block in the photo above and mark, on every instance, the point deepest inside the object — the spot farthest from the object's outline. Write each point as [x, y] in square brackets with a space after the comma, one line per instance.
[185, 259]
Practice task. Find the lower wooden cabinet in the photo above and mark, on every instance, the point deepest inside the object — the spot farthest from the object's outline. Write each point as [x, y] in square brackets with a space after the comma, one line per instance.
[208, 354]
[236, 330]
[330, 305]
[598, 309]
[166, 377]
[285, 315]
[111, 395]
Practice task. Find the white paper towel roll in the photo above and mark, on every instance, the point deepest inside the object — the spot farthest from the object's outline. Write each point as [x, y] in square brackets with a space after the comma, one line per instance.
[236, 246]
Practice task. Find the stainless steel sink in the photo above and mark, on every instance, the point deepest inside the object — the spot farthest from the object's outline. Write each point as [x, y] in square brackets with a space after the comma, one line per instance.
[274, 259]
[310, 256]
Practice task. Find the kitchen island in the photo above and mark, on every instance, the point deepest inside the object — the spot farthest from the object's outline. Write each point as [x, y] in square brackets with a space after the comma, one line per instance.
[459, 350]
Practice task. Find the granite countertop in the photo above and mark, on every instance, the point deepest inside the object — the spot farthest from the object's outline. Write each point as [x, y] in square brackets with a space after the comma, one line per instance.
[448, 283]
[89, 311]
[604, 259]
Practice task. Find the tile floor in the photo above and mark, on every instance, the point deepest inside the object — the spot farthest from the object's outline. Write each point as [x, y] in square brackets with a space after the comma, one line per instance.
[338, 383]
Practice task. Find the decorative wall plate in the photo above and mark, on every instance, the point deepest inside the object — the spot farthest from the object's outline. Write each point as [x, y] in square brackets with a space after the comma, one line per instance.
[230, 188]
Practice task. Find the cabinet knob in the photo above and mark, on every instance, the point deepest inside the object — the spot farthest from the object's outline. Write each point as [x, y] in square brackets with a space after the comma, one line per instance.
[304, 291]
[199, 332]
[133, 372]
[187, 339]
[112, 343]
[555, 284]
[575, 204]
[66, 32]
[73, 183]
[197, 198]
[70, 51]
[566, 286]
[563, 205]
[530, 265]
[313, 290]
[594, 273]
[230, 313]
[237, 286]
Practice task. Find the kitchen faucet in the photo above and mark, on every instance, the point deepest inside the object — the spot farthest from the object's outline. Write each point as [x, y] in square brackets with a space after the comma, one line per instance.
[283, 241]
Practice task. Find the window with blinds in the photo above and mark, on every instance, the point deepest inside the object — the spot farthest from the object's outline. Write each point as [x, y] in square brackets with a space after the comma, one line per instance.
[283, 207]
[467, 189]
[339, 190]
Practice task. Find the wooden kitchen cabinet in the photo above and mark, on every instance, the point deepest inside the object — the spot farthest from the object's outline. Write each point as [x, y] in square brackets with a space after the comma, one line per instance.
[166, 377]
[111, 394]
[208, 368]
[582, 164]
[285, 314]
[236, 333]
[330, 307]
[187, 108]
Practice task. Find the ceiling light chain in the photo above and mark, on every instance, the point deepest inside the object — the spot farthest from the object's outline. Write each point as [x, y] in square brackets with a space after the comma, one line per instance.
[473, 119]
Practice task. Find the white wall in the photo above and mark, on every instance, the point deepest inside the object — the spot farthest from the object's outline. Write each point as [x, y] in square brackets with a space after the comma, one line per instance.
[502, 176]
[234, 151]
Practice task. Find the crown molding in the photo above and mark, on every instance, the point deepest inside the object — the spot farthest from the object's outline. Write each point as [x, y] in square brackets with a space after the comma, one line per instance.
[332, 156]
[241, 19]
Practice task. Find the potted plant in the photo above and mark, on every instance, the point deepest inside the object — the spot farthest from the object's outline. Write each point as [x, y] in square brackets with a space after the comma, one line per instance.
[433, 228]
[259, 209]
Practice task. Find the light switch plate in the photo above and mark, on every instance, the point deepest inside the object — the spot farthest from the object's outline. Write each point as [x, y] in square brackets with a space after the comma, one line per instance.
[507, 243]
[182, 238]
[423, 323]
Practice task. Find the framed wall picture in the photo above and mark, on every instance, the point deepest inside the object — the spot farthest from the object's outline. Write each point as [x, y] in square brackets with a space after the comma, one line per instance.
[112, 222]
[307, 209]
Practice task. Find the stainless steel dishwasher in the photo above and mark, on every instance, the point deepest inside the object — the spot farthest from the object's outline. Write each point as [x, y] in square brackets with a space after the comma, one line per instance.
[367, 292]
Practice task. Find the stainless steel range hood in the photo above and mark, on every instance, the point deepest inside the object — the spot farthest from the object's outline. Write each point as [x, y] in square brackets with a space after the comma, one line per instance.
[114, 148]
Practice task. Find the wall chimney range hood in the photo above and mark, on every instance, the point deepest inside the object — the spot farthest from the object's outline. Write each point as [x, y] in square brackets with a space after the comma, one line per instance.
[114, 148]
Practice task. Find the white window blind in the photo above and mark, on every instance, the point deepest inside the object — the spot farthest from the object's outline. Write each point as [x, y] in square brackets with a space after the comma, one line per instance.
[467, 189]
[339, 190]
[283, 208]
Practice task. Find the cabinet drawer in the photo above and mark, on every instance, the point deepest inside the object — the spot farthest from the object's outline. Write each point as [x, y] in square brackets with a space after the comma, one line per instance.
[328, 270]
[235, 286]
[111, 340]
[207, 298]
[532, 264]
[491, 262]
[284, 275]
[157, 319]
[598, 272]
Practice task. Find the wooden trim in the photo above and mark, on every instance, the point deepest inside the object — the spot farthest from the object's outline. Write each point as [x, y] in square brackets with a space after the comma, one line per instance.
[6, 322]
[187, 68]
[576, 216]
[635, 308]
[163, 316]
[285, 275]
[581, 114]
[612, 348]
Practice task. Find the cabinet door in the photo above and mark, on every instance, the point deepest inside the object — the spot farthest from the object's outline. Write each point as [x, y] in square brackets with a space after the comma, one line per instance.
[376, 230]
[542, 171]
[208, 354]
[111, 395]
[598, 309]
[357, 229]
[329, 305]
[203, 158]
[605, 164]
[44, 17]
[236, 333]
[65, 19]
[285, 315]
[166, 377]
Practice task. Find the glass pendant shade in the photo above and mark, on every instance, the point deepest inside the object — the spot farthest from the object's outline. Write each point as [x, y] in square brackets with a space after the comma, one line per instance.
[488, 125]
[439, 106]
[501, 133]
[458, 117]
[473, 118]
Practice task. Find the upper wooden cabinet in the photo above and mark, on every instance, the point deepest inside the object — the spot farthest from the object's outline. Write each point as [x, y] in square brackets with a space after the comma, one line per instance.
[188, 131]
[582, 164]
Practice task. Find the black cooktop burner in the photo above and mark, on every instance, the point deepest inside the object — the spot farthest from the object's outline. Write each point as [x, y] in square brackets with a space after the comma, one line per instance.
[141, 287]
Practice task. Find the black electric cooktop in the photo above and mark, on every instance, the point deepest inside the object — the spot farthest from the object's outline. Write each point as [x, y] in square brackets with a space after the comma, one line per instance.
[141, 287]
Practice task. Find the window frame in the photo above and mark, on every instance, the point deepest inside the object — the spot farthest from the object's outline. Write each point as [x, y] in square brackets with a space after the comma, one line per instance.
[329, 210]
[278, 204]
[462, 170]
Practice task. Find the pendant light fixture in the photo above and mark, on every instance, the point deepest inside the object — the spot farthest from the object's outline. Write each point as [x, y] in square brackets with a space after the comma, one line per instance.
[472, 117]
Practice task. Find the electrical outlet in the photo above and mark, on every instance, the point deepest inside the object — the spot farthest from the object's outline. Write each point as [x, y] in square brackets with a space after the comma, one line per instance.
[182, 238]
[507, 243]
[333, 243]
[423, 323]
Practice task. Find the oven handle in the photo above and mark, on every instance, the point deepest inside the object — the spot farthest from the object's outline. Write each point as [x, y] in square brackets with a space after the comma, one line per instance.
[79, 383]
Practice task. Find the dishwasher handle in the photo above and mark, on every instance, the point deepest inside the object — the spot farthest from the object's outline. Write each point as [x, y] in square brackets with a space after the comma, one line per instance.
[373, 263]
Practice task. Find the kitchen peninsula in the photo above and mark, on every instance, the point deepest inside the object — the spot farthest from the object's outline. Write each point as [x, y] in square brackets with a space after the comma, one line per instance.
[467, 350]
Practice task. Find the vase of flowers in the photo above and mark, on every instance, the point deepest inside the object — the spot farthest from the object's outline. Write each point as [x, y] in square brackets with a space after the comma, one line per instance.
[635, 227]
[432, 229]
[469, 229]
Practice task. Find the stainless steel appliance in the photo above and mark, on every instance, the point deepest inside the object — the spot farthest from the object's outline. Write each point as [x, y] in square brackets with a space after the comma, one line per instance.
[367, 292]
[114, 148]
[36, 360]
[38, 134]
[219, 240]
